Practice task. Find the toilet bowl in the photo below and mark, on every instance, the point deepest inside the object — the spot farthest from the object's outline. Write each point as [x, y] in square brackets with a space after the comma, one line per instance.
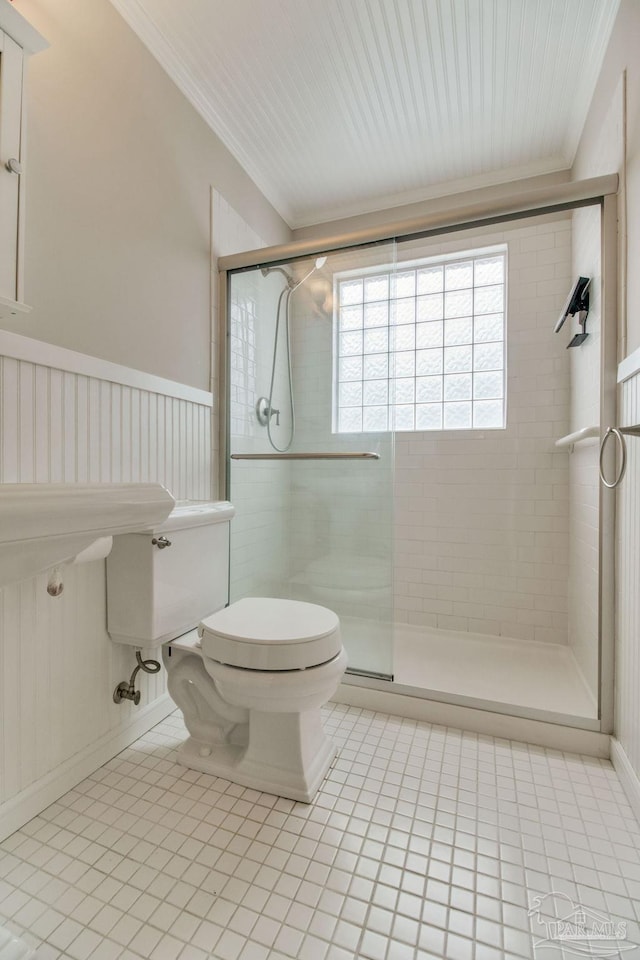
[252, 678]
[251, 687]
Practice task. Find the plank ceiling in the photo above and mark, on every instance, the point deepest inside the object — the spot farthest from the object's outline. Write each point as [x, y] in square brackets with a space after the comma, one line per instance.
[340, 107]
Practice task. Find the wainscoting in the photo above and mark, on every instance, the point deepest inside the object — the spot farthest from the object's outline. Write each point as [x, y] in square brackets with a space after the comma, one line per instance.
[70, 418]
[628, 575]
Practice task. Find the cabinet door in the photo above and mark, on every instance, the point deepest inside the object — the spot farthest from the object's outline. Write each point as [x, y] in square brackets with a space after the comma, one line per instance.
[11, 74]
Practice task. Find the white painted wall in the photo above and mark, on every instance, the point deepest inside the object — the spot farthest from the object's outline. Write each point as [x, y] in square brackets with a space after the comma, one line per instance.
[118, 209]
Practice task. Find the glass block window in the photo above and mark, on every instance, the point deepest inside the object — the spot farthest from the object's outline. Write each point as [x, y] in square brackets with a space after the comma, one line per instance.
[423, 347]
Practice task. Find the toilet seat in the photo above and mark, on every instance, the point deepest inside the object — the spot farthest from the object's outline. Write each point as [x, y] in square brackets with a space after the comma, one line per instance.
[263, 633]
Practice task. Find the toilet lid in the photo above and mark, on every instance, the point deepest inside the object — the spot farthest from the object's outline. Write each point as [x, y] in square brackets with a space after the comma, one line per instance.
[262, 633]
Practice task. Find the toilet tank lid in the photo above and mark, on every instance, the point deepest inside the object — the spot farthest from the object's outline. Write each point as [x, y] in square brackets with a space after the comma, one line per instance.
[196, 513]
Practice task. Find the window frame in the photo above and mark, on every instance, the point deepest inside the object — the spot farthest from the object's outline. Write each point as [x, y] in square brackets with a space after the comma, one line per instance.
[392, 270]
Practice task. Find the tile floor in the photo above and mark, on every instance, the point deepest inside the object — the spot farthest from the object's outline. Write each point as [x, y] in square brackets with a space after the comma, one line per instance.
[423, 843]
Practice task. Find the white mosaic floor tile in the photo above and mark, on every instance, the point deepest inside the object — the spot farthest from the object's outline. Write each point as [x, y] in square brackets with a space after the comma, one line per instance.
[423, 843]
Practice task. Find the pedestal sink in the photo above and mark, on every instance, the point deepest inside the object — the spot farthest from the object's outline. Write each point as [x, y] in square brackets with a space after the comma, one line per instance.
[45, 524]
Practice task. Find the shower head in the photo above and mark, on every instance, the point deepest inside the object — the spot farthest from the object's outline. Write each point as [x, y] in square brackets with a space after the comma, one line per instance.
[318, 263]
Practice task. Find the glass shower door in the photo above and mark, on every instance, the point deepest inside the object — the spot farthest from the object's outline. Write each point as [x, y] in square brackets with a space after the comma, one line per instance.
[310, 442]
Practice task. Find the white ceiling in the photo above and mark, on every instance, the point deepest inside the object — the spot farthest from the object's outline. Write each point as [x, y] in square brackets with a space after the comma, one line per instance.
[340, 107]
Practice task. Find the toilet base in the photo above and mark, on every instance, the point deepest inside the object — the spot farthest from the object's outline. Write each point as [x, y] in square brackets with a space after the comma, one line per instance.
[287, 755]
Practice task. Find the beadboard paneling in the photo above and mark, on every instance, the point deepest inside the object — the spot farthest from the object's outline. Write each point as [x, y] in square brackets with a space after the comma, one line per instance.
[424, 98]
[59, 666]
[627, 676]
[64, 426]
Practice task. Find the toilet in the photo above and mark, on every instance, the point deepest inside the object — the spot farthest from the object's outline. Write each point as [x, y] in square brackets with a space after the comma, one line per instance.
[250, 678]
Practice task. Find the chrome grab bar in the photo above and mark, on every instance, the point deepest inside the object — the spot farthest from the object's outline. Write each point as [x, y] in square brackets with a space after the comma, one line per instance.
[305, 456]
[619, 433]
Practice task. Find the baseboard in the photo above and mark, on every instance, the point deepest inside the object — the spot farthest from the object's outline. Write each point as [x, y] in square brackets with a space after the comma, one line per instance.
[627, 775]
[555, 736]
[17, 811]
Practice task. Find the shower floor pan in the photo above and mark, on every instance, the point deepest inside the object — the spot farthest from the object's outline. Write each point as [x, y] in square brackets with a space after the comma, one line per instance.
[476, 670]
[538, 676]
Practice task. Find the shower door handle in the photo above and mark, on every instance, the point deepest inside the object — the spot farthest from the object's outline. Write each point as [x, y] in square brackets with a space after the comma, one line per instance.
[329, 455]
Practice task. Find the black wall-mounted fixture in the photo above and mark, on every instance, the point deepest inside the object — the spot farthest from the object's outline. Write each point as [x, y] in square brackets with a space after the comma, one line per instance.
[577, 304]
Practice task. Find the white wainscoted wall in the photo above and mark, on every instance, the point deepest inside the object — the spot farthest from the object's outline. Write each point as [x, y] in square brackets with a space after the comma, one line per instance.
[71, 418]
[627, 673]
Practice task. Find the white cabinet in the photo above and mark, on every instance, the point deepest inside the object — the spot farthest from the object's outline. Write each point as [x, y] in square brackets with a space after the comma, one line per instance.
[18, 39]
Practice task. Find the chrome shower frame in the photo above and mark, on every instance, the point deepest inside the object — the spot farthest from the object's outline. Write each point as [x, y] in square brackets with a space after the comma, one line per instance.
[598, 191]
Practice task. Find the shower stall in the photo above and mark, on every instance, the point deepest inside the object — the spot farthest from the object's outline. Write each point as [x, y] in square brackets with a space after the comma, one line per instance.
[407, 441]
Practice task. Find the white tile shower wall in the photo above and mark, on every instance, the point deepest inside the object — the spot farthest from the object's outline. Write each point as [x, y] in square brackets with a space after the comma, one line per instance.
[59, 667]
[627, 675]
[229, 234]
[341, 534]
[257, 490]
[481, 518]
[602, 156]
[583, 461]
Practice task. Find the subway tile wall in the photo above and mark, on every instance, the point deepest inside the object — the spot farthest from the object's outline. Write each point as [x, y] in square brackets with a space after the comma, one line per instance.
[481, 517]
[583, 461]
[257, 490]
[341, 530]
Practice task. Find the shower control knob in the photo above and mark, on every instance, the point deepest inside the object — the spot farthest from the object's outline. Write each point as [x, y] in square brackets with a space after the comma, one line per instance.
[262, 411]
[161, 542]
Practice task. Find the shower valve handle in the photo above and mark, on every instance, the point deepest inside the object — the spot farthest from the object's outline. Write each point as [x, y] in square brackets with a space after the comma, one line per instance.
[264, 412]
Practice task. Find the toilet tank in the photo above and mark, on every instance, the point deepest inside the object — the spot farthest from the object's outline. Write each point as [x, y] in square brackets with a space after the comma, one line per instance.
[158, 590]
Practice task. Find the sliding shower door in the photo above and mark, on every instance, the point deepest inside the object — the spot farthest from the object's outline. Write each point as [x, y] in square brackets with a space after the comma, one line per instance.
[310, 441]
